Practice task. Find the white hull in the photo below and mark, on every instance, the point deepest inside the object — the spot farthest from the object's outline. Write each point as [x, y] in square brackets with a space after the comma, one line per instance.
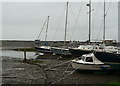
[80, 66]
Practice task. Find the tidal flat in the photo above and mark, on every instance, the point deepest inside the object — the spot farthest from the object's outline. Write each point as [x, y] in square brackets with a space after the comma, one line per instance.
[47, 70]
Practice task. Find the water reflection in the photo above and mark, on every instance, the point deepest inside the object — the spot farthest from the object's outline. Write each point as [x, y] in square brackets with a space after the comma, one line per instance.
[16, 54]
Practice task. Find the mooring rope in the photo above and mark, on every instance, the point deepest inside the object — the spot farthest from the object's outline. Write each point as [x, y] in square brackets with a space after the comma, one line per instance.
[45, 71]
[63, 77]
[58, 65]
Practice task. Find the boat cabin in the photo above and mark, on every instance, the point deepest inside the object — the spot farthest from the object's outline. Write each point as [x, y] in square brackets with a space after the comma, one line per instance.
[90, 59]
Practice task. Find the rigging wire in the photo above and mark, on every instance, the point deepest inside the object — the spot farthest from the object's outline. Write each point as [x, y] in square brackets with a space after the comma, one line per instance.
[108, 7]
[41, 30]
[94, 15]
[103, 21]
[79, 31]
[99, 31]
[59, 23]
[76, 20]
[92, 25]
[109, 25]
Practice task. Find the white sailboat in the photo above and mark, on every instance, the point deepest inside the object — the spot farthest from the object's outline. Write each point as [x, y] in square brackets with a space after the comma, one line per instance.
[64, 49]
[86, 48]
[43, 48]
[89, 48]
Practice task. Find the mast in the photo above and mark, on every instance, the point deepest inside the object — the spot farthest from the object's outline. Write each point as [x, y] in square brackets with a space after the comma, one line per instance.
[89, 35]
[47, 28]
[104, 23]
[66, 23]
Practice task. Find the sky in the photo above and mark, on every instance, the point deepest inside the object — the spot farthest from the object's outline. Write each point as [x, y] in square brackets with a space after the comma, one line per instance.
[119, 22]
[24, 20]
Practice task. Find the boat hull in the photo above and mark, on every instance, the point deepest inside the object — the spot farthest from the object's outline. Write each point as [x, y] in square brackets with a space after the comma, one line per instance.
[102, 56]
[95, 67]
[107, 57]
[61, 51]
[79, 52]
[43, 50]
[80, 66]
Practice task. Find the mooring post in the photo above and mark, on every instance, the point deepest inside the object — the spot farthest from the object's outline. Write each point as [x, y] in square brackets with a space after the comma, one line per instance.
[24, 56]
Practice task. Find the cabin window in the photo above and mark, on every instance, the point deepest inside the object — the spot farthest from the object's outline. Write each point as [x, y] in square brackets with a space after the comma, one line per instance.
[89, 59]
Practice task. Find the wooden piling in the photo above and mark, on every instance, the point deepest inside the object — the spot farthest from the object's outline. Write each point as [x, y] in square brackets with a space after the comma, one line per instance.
[24, 56]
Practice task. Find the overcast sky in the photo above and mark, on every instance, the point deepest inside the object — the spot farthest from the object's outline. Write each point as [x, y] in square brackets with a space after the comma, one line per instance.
[24, 20]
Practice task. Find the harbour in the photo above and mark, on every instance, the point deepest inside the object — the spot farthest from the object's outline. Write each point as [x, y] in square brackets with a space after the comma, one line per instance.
[60, 44]
[59, 70]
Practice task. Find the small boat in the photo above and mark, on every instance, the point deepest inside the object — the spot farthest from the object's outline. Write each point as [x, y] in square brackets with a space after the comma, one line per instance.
[92, 63]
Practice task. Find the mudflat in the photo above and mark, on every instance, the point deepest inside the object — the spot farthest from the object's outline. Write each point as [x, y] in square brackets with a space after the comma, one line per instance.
[40, 72]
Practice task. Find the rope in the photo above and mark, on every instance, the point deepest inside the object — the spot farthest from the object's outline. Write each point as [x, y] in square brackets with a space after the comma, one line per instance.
[58, 65]
[103, 21]
[63, 77]
[66, 69]
[46, 75]
[43, 69]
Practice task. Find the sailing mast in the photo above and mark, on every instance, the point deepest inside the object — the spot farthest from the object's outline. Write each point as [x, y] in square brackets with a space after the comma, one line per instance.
[66, 23]
[47, 28]
[104, 24]
[89, 5]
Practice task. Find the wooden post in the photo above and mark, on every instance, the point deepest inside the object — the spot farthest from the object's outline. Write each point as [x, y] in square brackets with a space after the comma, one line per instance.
[24, 56]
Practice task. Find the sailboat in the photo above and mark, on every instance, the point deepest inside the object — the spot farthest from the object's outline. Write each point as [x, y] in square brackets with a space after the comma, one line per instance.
[87, 48]
[64, 49]
[45, 48]
[111, 56]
